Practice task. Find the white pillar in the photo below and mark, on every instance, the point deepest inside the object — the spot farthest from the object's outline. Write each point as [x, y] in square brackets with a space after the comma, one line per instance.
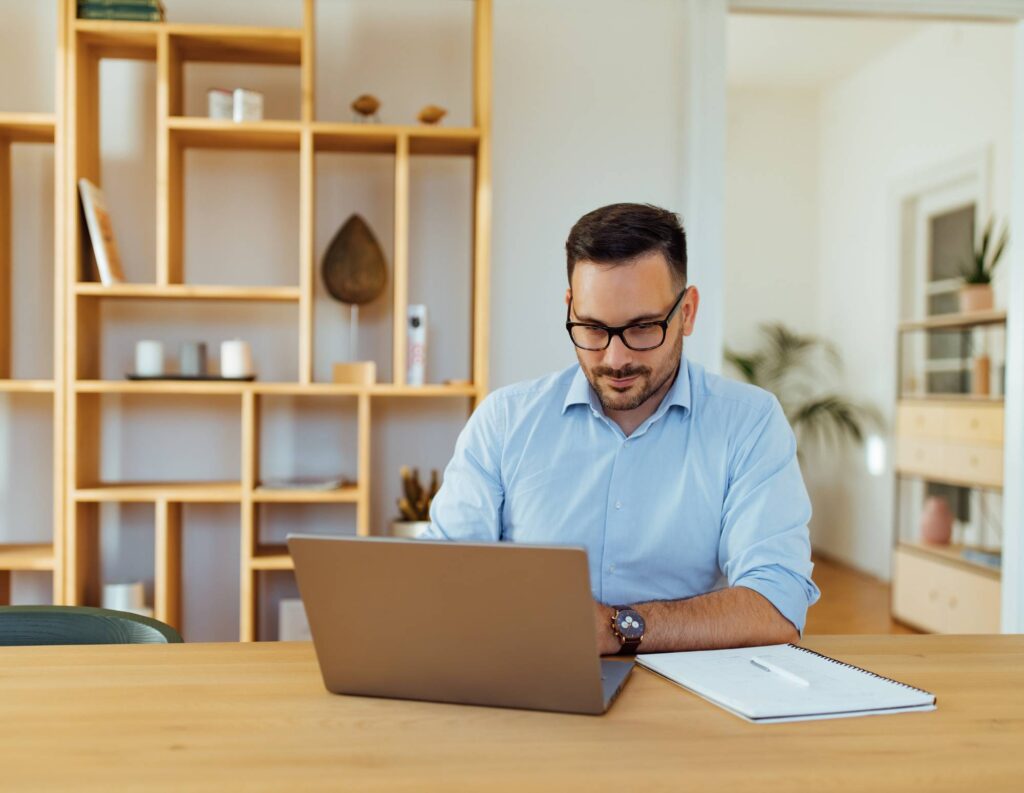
[703, 177]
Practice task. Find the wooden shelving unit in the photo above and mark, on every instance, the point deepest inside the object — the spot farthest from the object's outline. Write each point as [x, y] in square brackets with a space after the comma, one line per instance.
[956, 440]
[171, 46]
[45, 129]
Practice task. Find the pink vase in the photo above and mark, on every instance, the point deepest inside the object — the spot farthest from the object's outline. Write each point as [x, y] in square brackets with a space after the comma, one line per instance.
[936, 521]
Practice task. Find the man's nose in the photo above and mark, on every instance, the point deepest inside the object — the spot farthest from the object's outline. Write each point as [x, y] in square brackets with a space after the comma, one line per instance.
[617, 355]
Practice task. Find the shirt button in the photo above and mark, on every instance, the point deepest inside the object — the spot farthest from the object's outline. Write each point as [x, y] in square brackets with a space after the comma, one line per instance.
[611, 568]
[618, 505]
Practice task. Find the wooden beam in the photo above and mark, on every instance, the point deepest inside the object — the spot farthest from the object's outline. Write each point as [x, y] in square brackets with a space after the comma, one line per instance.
[167, 563]
[482, 197]
[248, 591]
[6, 254]
[401, 263]
[307, 239]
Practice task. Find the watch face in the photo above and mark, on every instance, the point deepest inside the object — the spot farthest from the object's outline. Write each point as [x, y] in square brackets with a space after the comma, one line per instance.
[629, 624]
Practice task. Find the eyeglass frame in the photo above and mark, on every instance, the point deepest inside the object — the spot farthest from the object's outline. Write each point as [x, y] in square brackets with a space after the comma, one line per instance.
[620, 330]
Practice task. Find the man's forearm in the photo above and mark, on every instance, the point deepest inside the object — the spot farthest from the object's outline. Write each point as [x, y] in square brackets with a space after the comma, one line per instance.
[733, 617]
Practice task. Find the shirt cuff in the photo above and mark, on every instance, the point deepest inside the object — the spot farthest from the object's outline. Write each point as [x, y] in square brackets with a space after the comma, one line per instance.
[790, 594]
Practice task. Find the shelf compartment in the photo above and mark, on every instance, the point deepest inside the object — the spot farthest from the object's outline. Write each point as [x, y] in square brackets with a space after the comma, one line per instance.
[383, 138]
[26, 556]
[203, 43]
[267, 294]
[271, 557]
[953, 321]
[27, 127]
[174, 492]
[210, 133]
[953, 553]
[233, 44]
[342, 495]
[26, 386]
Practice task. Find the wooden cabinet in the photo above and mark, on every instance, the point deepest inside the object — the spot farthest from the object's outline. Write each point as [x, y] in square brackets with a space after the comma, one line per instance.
[948, 441]
[943, 596]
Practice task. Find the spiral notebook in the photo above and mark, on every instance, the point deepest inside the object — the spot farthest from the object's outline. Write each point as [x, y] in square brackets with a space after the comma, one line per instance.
[784, 682]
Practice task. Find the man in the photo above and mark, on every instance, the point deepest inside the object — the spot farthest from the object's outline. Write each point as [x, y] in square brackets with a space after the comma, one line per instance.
[683, 486]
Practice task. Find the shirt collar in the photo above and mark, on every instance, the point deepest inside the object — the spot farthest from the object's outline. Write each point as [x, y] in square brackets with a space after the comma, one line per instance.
[580, 392]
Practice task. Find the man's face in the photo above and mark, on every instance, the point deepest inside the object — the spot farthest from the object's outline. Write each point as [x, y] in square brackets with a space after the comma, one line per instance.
[622, 294]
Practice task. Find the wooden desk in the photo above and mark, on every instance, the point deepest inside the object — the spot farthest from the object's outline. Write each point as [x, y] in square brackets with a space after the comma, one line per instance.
[255, 716]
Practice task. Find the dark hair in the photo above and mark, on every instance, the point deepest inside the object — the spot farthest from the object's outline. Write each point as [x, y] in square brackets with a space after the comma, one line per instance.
[619, 233]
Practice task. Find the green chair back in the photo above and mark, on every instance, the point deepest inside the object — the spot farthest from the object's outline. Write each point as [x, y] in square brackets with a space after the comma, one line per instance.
[36, 625]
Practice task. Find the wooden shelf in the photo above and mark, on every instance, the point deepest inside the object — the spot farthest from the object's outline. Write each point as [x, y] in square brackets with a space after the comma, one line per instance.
[952, 399]
[954, 321]
[175, 492]
[214, 387]
[26, 386]
[209, 133]
[953, 553]
[383, 138]
[17, 556]
[27, 127]
[264, 294]
[341, 495]
[209, 43]
[947, 480]
[271, 557]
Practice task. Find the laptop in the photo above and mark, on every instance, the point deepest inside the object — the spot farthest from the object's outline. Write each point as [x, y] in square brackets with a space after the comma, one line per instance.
[497, 624]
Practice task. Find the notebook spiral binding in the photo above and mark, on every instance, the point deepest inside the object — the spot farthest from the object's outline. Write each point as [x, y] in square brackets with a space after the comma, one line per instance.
[832, 660]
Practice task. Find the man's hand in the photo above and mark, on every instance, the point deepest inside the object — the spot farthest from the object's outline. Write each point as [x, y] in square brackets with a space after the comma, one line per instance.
[607, 644]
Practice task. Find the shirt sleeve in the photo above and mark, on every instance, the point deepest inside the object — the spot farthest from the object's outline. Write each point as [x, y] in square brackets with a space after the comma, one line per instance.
[469, 503]
[765, 544]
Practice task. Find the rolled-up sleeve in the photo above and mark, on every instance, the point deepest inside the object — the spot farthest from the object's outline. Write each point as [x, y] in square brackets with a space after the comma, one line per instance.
[468, 506]
[764, 544]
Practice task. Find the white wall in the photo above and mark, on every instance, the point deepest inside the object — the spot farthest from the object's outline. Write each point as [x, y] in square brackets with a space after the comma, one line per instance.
[771, 240]
[588, 110]
[943, 93]
[811, 233]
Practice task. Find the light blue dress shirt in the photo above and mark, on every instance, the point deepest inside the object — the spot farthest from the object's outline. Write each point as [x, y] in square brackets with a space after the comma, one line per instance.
[706, 493]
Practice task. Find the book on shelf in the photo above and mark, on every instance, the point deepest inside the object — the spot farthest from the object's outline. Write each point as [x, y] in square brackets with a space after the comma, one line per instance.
[101, 233]
[129, 10]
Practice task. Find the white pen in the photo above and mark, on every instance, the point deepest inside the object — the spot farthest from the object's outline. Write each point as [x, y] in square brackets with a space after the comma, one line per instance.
[768, 666]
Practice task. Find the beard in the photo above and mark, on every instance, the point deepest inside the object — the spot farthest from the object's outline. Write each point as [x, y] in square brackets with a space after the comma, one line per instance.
[648, 382]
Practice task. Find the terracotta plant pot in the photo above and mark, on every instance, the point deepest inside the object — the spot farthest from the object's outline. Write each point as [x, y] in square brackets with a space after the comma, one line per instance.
[975, 297]
[936, 521]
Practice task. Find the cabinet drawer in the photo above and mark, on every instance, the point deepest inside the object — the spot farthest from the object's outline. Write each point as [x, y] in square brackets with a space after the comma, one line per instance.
[921, 457]
[976, 424]
[971, 463]
[920, 420]
[943, 597]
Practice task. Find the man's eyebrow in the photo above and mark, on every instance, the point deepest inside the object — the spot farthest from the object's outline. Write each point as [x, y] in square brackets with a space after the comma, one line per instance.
[641, 318]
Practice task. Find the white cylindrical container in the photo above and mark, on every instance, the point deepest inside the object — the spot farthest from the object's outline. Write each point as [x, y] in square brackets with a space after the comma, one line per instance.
[124, 597]
[149, 358]
[235, 359]
[416, 358]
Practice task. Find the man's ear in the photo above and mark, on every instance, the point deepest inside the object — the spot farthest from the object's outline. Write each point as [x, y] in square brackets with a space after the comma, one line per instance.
[689, 308]
[568, 296]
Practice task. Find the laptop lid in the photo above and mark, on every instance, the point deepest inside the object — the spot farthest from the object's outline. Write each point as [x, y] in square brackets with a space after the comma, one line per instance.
[489, 624]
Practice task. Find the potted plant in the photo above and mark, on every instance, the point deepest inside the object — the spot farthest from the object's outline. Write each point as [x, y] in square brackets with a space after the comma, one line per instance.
[795, 367]
[414, 504]
[977, 270]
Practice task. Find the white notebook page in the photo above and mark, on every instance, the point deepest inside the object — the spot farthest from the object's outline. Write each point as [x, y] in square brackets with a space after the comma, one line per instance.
[785, 683]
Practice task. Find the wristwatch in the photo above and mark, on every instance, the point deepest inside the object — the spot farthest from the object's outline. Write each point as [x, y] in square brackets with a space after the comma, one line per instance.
[628, 627]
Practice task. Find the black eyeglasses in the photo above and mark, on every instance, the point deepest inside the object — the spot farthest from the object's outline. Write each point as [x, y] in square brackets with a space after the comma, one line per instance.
[639, 336]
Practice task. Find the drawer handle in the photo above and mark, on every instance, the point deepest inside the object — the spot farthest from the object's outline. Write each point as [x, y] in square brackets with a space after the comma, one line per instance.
[975, 424]
[974, 460]
[952, 602]
[933, 596]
